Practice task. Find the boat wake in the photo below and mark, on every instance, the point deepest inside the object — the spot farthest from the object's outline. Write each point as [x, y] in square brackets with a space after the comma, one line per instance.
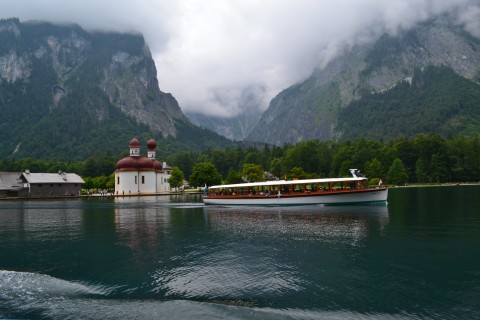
[184, 205]
[25, 295]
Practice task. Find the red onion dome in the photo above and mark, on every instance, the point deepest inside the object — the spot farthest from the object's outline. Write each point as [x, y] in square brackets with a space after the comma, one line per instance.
[157, 165]
[135, 164]
[144, 164]
[134, 143]
[127, 163]
[151, 144]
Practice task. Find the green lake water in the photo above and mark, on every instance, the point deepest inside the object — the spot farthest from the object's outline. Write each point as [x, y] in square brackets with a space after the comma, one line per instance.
[171, 257]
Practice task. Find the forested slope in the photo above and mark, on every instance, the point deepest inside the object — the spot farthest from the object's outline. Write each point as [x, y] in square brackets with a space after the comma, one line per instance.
[435, 100]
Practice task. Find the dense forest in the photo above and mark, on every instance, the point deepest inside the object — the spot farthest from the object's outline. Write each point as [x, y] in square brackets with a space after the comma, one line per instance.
[435, 100]
[420, 159]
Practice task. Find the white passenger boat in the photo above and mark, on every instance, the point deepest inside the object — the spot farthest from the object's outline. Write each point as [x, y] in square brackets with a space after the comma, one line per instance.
[330, 191]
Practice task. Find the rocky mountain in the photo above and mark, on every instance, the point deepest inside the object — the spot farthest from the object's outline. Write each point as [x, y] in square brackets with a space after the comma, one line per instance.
[401, 77]
[66, 94]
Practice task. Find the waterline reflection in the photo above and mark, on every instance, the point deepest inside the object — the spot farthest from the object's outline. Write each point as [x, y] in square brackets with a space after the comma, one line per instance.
[347, 224]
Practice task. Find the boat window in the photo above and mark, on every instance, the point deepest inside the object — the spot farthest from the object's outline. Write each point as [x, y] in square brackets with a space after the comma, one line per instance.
[298, 187]
[324, 186]
[337, 186]
[274, 190]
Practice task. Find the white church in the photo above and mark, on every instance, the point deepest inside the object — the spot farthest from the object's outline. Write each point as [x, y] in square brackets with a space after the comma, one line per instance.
[136, 175]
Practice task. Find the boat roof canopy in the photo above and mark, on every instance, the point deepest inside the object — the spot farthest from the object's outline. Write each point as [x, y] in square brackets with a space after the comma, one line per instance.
[286, 182]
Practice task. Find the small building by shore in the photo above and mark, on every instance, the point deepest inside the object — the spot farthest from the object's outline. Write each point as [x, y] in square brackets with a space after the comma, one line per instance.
[27, 184]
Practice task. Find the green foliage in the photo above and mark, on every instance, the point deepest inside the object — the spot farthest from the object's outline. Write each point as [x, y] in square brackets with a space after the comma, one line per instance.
[373, 168]
[110, 184]
[397, 173]
[253, 172]
[313, 155]
[437, 101]
[176, 178]
[297, 173]
[100, 182]
[234, 177]
[374, 182]
[425, 158]
[205, 173]
[276, 167]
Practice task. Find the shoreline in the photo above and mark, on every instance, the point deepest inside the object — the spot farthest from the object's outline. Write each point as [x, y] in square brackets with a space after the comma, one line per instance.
[428, 185]
[101, 196]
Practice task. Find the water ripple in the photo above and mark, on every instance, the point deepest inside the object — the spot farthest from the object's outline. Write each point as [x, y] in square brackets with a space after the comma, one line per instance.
[39, 296]
[226, 274]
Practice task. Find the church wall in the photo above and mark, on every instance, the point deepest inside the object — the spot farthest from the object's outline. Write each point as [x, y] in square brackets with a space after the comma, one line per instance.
[126, 182]
[147, 181]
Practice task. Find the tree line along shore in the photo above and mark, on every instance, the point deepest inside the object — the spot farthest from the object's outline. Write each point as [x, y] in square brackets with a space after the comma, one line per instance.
[425, 159]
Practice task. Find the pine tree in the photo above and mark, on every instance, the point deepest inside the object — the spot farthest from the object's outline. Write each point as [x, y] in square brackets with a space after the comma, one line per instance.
[397, 173]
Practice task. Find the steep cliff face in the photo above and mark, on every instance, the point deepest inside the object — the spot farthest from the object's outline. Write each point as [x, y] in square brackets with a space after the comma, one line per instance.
[125, 70]
[66, 93]
[130, 82]
[310, 110]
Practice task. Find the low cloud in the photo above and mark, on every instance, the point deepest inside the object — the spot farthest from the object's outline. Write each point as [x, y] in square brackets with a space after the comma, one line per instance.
[470, 19]
[211, 55]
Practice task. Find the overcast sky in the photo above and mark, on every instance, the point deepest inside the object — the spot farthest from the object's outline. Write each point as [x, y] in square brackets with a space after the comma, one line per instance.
[210, 53]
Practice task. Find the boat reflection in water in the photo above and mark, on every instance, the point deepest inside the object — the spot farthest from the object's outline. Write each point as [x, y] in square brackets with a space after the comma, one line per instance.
[346, 223]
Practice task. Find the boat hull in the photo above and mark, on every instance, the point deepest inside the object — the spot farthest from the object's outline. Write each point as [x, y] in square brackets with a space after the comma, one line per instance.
[330, 198]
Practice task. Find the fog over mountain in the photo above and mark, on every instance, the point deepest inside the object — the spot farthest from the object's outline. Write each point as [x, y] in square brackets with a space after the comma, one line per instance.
[208, 54]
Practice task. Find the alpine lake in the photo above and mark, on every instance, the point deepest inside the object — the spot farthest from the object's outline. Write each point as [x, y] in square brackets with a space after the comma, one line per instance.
[171, 257]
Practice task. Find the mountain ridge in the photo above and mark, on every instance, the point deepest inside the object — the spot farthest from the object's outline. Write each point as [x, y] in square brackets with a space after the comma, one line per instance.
[309, 110]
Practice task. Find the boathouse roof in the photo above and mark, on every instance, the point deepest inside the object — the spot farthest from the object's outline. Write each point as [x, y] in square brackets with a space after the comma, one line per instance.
[10, 180]
[60, 177]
